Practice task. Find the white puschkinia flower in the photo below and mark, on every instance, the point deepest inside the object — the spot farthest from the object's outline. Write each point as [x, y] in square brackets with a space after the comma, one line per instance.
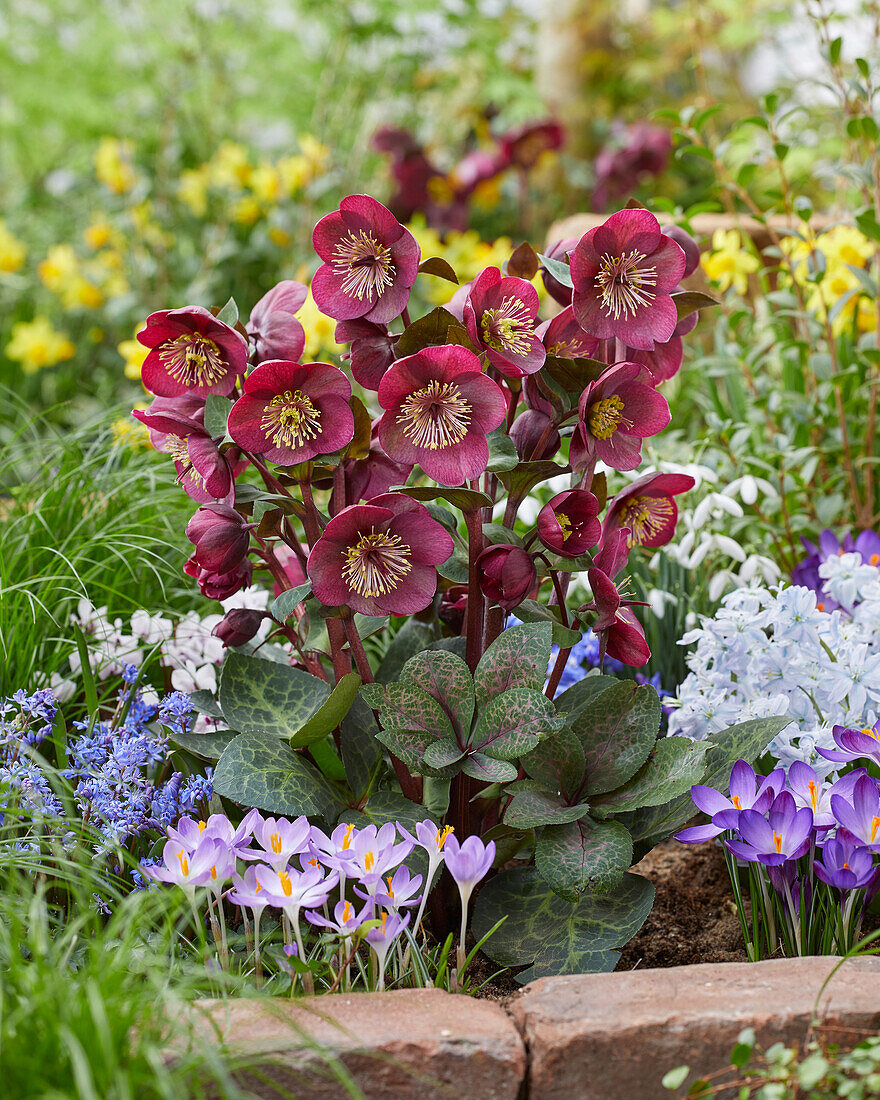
[772, 651]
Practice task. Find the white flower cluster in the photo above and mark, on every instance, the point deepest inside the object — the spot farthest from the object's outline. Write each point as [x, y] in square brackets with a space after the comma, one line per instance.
[772, 652]
[186, 647]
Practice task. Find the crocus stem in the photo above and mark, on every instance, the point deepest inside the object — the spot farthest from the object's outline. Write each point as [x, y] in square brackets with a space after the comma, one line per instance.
[308, 983]
[461, 955]
[258, 962]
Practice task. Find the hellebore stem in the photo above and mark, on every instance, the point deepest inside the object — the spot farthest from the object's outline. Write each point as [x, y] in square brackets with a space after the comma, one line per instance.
[357, 648]
[476, 601]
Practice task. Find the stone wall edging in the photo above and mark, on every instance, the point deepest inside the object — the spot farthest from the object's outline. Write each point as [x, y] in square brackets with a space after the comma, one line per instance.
[574, 1037]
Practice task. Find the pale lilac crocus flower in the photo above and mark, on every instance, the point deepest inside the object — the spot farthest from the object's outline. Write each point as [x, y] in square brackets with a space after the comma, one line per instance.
[279, 841]
[247, 893]
[381, 939]
[291, 890]
[468, 863]
[747, 792]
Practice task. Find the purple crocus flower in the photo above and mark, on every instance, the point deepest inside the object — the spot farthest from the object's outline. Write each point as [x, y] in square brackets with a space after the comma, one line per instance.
[346, 920]
[845, 864]
[859, 814]
[468, 862]
[400, 890]
[853, 744]
[784, 836]
[811, 791]
[746, 793]
[382, 937]
[279, 841]
[209, 864]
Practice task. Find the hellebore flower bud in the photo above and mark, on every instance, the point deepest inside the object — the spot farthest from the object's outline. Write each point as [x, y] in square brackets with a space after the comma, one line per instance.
[529, 429]
[453, 607]
[219, 586]
[221, 537]
[507, 575]
[568, 525]
[238, 626]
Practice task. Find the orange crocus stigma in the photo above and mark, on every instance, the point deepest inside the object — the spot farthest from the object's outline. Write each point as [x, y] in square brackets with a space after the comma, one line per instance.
[184, 864]
[202, 826]
[346, 840]
[875, 824]
[814, 793]
[286, 885]
[275, 842]
[735, 799]
[777, 841]
[369, 861]
[443, 835]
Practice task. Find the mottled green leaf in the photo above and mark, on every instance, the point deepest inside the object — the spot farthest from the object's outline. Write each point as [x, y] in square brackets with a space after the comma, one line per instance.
[530, 809]
[573, 374]
[617, 728]
[446, 678]
[456, 645]
[502, 452]
[578, 695]
[517, 658]
[479, 766]
[527, 475]
[228, 314]
[330, 713]
[531, 611]
[427, 331]
[746, 741]
[267, 773]
[258, 696]
[359, 746]
[513, 723]
[441, 754]
[689, 301]
[407, 745]
[405, 706]
[673, 766]
[560, 271]
[466, 500]
[283, 606]
[205, 703]
[558, 762]
[216, 415]
[208, 745]
[581, 855]
[554, 935]
[412, 638]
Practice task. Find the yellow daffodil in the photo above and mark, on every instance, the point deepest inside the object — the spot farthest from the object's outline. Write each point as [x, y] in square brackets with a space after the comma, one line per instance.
[131, 433]
[729, 263]
[36, 344]
[265, 182]
[246, 210]
[12, 251]
[134, 355]
[113, 165]
[319, 331]
[192, 189]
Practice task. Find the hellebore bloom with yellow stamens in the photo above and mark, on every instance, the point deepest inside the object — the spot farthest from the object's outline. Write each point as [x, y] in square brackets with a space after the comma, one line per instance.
[191, 352]
[379, 558]
[648, 509]
[289, 413]
[623, 272]
[499, 315]
[439, 407]
[617, 411]
[176, 428]
[272, 327]
[562, 336]
[370, 262]
[568, 524]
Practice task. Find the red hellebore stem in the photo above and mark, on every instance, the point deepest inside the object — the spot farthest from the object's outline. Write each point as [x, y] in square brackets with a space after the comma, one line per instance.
[559, 666]
[476, 601]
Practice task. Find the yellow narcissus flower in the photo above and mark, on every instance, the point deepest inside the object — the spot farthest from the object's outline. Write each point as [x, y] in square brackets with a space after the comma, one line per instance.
[192, 189]
[315, 152]
[36, 344]
[113, 165]
[134, 355]
[293, 173]
[265, 182]
[729, 264]
[319, 331]
[245, 211]
[279, 236]
[59, 268]
[98, 235]
[230, 166]
[128, 432]
[12, 251]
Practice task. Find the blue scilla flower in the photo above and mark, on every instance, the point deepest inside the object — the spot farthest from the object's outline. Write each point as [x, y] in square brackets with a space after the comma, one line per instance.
[26, 719]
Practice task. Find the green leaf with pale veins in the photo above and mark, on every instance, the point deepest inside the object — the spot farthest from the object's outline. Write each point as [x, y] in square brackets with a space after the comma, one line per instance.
[617, 728]
[558, 763]
[517, 658]
[441, 754]
[576, 697]
[408, 745]
[479, 766]
[405, 706]
[514, 723]
[554, 935]
[531, 611]
[675, 764]
[267, 773]
[331, 712]
[582, 855]
[359, 746]
[258, 696]
[530, 809]
[205, 703]
[446, 678]
[210, 746]
[283, 606]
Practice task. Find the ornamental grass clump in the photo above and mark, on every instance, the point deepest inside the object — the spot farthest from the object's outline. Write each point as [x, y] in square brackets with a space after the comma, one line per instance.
[393, 492]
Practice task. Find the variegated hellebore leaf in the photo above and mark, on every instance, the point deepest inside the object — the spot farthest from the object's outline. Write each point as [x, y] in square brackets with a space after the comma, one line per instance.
[284, 605]
[427, 331]
[517, 658]
[205, 703]
[529, 809]
[617, 728]
[479, 766]
[210, 746]
[527, 475]
[558, 763]
[446, 678]
[582, 855]
[412, 638]
[264, 772]
[405, 706]
[331, 712]
[409, 746]
[576, 697]
[258, 696]
[359, 747]
[531, 611]
[514, 723]
[554, 935]
[441, 754]
[675, 764]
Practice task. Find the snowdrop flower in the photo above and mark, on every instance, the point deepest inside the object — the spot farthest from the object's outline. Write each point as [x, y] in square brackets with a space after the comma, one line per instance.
[749, 488]
[714, 504]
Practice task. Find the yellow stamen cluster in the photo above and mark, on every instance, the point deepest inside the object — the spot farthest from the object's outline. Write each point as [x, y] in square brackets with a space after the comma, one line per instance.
[443, 835]
[290, 419]
[508, 327]
[376, 564]
[435, 416]
[365, 264]
[192, 360]
[646, 517]
[175, 446]
[624, 285]
[606, 416]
